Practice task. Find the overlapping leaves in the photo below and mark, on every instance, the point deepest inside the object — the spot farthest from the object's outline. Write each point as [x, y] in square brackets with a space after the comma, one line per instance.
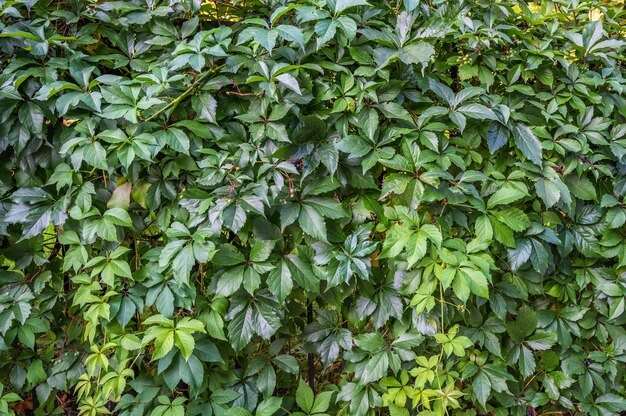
[418, 208]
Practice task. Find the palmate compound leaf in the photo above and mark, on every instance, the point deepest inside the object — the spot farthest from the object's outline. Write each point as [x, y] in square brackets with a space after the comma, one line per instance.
[166, 334]
[328, 337]
[248, 316]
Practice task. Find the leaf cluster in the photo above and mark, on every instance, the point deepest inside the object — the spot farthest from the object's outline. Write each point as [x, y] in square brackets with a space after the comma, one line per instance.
[320, 207]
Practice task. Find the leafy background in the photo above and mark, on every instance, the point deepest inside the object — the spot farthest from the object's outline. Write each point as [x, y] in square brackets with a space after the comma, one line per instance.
[341, 207]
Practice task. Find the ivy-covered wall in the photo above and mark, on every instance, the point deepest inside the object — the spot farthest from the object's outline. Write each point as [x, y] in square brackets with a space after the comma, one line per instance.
[322, 207]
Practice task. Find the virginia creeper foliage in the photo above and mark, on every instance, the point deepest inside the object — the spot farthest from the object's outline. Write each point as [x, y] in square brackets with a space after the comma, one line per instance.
[312, 207]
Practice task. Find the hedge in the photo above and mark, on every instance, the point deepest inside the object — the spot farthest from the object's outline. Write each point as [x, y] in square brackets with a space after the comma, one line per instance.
[315, 207]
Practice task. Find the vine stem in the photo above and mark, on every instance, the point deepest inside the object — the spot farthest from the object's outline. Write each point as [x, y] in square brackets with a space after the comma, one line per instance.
[530, 381]
[441, 303]
[443, 331]
[310, 358]
[343, 408]
[185, 94]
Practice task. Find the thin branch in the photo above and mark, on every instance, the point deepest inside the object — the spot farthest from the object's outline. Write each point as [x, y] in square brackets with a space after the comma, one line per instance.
[201, 79]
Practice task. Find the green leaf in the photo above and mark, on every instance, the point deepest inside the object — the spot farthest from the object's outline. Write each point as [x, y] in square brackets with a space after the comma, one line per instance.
[433, 233]
[36, 373]
[417, 53]
[163, 344]
[177, 140]
[291, 33]
[230, 281]
[482, 387]
[322, 402]
[497, 136]
[237, 411]
[476, 281]
[120, 197]
[183, 263]
[478, 111]
[312, 222]
[612, 402]
[341, 5]
[261, 250]
[184, 342]
[290, 82]
[542, 340]
[394, 110]
[581, 188]
[375, 368]
[519, 255]
[118, 216]
[527, 143]
[269, 406]
[228, 255]
[205, 107]
[547, 191]
[279, 281]
[513, 217]
[484, 230]
[616, 308]
[31, 116]
[524, 324]
[395, 241]
[507, 193]
[416, 248]
[304, 396]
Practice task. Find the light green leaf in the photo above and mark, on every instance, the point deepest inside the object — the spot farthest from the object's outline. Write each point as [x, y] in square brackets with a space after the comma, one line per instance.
[507, 193]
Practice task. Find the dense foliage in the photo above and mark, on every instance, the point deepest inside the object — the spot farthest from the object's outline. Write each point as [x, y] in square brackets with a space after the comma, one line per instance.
[320, 207]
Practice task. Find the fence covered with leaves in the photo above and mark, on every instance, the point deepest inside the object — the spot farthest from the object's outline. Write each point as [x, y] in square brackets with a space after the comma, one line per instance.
[338, 207]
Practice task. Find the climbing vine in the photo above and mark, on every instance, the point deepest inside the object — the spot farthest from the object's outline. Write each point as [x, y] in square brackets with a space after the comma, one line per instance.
[321, 207]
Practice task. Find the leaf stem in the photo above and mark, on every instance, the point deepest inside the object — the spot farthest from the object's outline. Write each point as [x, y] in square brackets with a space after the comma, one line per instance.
[310, 358]
[441, 303]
